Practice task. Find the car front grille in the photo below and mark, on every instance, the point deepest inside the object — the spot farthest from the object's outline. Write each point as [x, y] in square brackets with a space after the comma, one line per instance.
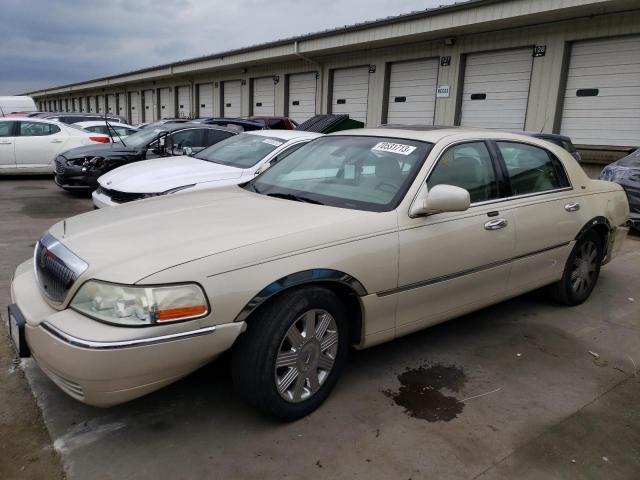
[60, 166]
[120, 197]
[56, 268]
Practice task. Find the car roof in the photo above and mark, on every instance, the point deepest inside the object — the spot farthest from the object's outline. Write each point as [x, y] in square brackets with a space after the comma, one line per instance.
[285, 134]
[94, 123]
[171, 127]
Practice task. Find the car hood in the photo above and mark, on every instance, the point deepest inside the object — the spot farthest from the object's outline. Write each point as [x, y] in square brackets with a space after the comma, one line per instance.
[100, 150]
[162, 174]
[129, 242]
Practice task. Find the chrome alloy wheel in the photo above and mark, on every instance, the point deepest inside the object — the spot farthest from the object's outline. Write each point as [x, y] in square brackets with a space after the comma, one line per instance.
[306, 355]
[584, 268]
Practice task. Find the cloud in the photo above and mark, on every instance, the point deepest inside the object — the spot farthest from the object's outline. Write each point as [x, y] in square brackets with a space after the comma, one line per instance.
[52, 43]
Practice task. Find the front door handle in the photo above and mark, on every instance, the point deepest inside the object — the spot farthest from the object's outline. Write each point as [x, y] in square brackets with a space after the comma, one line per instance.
[56, 141]
[496, 224]
[5, 142]
[572, 207]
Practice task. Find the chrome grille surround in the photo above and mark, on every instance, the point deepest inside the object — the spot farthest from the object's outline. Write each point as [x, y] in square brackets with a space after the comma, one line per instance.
[56, 268]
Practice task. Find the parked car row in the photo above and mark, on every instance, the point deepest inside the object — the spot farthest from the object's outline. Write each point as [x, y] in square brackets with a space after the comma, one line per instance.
[314, 243]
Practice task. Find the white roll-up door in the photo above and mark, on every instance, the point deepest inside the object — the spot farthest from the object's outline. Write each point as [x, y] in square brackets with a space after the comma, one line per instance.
[149, 112]
[91, 104]
[166, 103]
[302, 96]
[111, 103]
[602, 97]
[264, 96]
[496, 89]
[184, 102]
[350, 92]
[205, 100]
[412, 92]
[100, 108]
[232, 99]
[122, 105]
[133, 108]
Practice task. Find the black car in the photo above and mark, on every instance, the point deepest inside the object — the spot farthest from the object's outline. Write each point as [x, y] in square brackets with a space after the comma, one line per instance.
[239, 124]
[75, 117]
[78, 169]
[626, 172]
[560, 140]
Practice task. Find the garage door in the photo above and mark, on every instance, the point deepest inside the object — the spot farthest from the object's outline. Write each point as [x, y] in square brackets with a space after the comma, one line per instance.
[149, 111]
[205, 100]
[184, 102]
[100, 108]
[302, 96]
[111, 103]
[134, 105]
[496, 89]
[122, 105]
[412, 92]
[166, 103]
[602, 97]
[350, 92]
[232, 99]
[264, 94]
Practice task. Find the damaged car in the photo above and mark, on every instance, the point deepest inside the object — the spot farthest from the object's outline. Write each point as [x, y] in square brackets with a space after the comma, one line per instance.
[626, 172]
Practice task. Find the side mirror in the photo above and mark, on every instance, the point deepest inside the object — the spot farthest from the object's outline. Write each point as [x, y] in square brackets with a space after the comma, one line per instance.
[440, 199]
[187, 151]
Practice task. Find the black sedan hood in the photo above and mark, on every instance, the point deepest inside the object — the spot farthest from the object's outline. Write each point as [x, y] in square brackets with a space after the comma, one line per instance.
[101, 150]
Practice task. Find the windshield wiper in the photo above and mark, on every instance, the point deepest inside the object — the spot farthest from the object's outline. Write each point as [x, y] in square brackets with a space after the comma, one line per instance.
[297, 198]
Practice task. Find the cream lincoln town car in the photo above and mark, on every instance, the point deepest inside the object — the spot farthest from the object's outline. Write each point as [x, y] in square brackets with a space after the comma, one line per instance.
[355, 239]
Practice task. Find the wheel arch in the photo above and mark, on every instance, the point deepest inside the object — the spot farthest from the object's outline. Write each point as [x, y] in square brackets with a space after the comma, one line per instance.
[346, 287]
[602, 227]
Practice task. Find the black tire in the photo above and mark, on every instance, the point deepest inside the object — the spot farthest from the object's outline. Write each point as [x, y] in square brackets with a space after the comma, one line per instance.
[254, 371]
[581, 271]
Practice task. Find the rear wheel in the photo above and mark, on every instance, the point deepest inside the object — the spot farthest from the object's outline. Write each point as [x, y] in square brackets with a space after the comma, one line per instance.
[292, 353]
[581, 271]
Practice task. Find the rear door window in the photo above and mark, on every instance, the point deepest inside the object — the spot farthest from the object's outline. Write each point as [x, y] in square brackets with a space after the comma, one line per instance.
[35, 129]
[6, 129]
[532, 169]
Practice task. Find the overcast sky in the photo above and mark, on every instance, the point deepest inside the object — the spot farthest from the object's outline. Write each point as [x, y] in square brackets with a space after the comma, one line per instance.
[48, 43]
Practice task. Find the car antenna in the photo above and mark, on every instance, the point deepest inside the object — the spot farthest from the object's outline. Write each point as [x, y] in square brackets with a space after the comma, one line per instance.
[544, 124]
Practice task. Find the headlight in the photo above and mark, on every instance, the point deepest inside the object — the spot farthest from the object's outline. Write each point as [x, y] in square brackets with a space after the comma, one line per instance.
[140, 306]
[167, 192]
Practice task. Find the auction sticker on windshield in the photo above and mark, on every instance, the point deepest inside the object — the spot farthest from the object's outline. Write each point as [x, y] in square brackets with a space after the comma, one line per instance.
[398, 148]
[272, 142]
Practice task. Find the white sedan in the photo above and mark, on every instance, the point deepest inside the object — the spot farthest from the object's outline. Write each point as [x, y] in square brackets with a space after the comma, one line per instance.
[30, 145]
[115, 130]
[230, 162]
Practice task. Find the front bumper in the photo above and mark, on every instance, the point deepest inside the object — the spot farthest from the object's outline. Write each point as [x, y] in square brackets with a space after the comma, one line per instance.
[104, 365]
[73, 179]
[100, 200]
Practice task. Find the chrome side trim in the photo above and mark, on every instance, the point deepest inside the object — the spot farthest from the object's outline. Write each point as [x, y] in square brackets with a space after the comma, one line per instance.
[140, 342]
[300, 278]
[450, 276]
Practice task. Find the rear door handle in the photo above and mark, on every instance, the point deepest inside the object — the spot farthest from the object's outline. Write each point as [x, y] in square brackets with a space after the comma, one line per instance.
[572, 207]
[496, 224]
[56, 141]
[5, 142]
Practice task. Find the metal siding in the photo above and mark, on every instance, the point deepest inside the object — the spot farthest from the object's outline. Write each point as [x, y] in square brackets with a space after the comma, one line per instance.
[184, 102]
[503, 77]
[264, 93]
[612, 67]
[412, 92]
[351, 86]
[205, 100]
[232, 99]
[302, 96]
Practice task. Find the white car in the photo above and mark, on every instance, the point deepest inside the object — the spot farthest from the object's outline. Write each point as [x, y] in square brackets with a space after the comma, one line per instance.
[230, 162]
[30, 145]
[115, 130]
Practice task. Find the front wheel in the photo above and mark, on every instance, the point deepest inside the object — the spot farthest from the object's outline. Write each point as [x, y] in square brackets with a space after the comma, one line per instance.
[292, 353]
[581, 271]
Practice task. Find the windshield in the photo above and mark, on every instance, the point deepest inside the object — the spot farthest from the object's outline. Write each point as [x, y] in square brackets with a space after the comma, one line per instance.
[143, 137]
[240, 151]
[365, 173]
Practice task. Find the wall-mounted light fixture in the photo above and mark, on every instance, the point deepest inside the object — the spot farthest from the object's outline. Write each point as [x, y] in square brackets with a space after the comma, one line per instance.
[372, 69]
[450, 41]
[276, 79]
[244, 70]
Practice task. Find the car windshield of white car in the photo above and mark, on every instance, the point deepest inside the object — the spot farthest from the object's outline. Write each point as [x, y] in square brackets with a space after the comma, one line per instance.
[240, 151]
[365, 173]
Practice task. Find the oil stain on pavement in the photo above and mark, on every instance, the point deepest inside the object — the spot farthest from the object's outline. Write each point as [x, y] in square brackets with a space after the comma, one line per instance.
[420, 392]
